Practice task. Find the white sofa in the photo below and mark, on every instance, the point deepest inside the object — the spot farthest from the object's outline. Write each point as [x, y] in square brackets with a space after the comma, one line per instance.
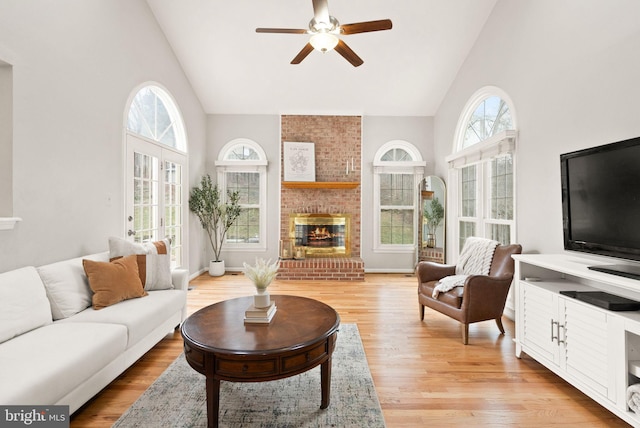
[55, 349]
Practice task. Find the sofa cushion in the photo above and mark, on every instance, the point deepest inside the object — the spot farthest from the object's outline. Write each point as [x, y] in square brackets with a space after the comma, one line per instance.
[140, 316]
[113, 282]
[154, 260]
[67, 285]
[42, 366]
[23, 303]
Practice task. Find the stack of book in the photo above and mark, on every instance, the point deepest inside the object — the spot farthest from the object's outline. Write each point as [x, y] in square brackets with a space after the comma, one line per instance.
[255, 315]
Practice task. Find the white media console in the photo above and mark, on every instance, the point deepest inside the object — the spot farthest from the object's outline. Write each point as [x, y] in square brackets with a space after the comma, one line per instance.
[594, 349]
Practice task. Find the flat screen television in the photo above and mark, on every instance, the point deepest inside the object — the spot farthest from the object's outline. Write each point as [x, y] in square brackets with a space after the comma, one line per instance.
[601, 203]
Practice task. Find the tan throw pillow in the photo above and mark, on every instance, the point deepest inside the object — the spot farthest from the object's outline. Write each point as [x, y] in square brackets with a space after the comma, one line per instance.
[113, 282]
[154, 260]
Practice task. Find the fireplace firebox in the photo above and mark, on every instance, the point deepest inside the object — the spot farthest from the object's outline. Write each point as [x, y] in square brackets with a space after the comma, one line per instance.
[321, 235]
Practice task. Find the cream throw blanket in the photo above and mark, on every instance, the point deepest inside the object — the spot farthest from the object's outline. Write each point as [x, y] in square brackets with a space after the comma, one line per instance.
[475, 259]
[633, 397]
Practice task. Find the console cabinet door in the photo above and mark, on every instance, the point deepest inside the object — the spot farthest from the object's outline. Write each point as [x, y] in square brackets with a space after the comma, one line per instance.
[540, 322]
[587, 345]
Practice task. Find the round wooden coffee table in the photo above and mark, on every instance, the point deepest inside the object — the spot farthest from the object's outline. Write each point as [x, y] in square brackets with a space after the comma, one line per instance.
[218, 344]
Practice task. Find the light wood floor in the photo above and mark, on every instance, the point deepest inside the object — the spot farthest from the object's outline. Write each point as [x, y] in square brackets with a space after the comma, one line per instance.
[423, 374]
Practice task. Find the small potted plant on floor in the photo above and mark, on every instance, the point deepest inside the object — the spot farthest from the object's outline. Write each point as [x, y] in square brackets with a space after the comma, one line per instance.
[216, 217]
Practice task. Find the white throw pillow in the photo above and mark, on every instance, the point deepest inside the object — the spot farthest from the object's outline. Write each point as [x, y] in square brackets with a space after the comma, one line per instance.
[67, 285]
[154, 260]
[119, 247]
[23, 303]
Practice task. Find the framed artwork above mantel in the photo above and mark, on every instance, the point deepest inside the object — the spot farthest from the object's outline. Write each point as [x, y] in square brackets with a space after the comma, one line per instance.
[299, 161]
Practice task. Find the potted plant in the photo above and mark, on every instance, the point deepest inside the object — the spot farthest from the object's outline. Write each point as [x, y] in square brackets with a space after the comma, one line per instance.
[261, 274]
[216, 217]
[434, 213]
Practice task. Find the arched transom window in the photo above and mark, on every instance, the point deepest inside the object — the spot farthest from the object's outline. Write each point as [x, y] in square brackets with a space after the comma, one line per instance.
[490, 117]
[154, 115]
[396, 154]
[242, 151]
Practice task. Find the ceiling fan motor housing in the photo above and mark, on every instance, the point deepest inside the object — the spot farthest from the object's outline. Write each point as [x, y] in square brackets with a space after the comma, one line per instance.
[324, 27]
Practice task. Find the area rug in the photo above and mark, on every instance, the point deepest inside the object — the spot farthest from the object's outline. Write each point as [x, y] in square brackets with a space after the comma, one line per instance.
[178, 399]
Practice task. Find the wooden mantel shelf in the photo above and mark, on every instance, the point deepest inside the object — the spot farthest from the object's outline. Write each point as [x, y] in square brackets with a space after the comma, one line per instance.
[320, 184]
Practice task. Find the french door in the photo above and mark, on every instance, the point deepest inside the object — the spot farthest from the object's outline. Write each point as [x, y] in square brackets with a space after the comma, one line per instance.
[155, 195]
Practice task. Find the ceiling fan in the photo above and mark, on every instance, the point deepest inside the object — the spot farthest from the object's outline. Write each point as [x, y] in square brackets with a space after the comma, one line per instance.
[325, 29]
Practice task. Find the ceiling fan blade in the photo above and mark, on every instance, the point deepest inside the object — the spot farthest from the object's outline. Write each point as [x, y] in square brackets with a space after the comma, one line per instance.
[365, 27]
[321, 11]
[348, 54]
[306, 50]
[281, 30]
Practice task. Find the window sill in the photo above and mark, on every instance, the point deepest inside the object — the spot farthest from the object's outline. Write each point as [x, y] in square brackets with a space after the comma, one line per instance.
[395, 249]
[8, 223]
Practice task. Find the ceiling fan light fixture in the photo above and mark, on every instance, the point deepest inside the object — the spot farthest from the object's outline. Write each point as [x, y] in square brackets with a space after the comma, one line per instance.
[324, 31]
[323, 42]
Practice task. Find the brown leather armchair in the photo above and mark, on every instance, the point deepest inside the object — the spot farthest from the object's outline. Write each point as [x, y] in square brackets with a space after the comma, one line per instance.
[483, 296]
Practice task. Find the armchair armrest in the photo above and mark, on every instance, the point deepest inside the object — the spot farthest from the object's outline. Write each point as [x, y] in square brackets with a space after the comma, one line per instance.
[485, 296]
[430, 271]
[485, 286]
[180, 279]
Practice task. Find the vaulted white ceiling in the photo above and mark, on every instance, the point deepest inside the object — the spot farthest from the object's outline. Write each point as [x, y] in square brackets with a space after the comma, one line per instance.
[406, 72]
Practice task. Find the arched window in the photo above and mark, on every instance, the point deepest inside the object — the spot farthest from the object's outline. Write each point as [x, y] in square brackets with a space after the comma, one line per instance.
[482, 168]
[396, 154]
[242, 150]
[156, 170]
[242, 166]
[398, 168]
[491, 117]
[154, 115]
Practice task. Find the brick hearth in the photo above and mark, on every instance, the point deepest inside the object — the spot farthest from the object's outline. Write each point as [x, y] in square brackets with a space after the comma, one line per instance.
[323, 268]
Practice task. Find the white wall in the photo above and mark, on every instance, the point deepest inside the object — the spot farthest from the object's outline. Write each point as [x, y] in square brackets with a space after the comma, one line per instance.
[571, 68]
[376, 131]
[75, 63]
[264, 130]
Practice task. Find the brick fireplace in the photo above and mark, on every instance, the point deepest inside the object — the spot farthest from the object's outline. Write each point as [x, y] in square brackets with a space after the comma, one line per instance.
[335, 193]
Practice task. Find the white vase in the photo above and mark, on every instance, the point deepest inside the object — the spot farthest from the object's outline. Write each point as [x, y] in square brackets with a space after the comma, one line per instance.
[261, 299]
[216, 268]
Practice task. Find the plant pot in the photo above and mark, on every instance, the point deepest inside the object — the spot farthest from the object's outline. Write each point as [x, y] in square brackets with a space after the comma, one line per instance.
[261, 299]
[431, 240]
[216, 268]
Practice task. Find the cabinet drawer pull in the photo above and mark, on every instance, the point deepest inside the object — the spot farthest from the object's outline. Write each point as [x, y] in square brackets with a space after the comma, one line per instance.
[553, 336]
